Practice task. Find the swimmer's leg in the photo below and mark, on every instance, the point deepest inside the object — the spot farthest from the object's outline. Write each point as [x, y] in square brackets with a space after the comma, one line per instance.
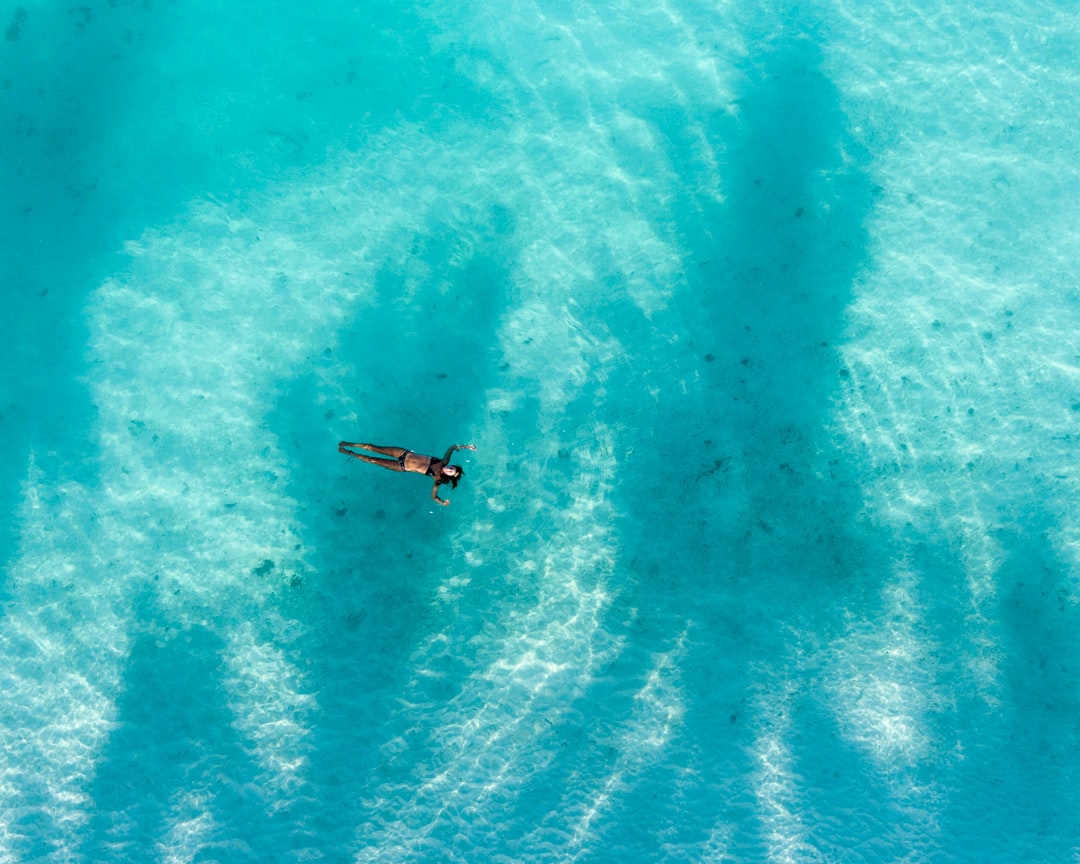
[396, 452]
[389, 464]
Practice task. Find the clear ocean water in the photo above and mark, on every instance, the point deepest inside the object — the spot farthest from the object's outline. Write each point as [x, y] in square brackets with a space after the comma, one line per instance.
[763, 319]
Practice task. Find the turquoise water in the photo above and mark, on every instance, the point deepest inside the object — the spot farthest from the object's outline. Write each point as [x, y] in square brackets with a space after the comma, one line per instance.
[763, 319]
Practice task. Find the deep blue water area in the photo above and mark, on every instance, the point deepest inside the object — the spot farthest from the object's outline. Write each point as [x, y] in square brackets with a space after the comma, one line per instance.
[762, 321]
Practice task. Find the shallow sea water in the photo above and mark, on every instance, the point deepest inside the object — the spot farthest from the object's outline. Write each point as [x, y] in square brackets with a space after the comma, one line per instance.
[763, 319]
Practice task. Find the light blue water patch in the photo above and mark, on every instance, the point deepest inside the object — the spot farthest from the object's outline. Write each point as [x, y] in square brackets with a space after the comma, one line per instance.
[762, 320]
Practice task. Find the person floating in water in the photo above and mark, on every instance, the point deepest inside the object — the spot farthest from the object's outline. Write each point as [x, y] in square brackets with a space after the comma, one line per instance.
[415, 463]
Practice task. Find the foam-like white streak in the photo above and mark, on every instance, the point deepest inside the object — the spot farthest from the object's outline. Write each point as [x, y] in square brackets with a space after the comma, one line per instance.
[776, 785]
[191, 826]
[717, 849]
[497, 730]
[61, 642]
[883, 684]
[271, 714]
[602, 51]
[658, 711]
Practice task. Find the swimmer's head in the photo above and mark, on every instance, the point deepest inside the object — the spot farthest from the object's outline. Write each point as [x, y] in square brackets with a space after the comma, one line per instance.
[453, 474]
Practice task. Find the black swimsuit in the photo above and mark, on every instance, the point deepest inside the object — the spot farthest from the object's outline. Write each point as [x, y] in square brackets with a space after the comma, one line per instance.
[431, 465]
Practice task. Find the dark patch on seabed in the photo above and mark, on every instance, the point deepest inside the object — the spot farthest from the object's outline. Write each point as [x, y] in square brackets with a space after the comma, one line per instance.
[175, 731]
[769, 275]
[18, 20]
[1029, 741]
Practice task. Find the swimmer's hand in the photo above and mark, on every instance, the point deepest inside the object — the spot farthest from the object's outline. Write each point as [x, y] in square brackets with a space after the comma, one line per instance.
[450, 451]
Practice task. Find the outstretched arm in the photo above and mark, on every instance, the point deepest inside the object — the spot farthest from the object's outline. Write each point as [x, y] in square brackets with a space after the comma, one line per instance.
[435, 496]
[450, 451]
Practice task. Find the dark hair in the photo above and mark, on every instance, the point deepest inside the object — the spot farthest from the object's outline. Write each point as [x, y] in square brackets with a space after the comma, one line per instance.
[453, 481]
